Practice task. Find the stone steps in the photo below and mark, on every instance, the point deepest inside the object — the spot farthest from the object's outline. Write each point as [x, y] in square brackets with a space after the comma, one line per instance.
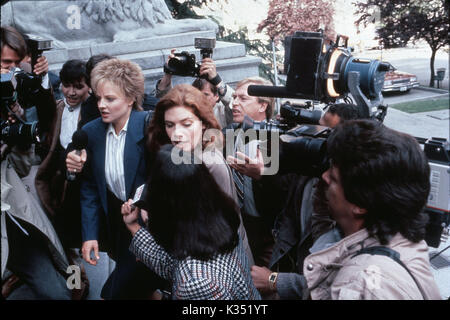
[120, 48]
[151, 54]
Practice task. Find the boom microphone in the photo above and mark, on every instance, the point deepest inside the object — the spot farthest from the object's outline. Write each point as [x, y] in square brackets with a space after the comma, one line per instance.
[79, 142]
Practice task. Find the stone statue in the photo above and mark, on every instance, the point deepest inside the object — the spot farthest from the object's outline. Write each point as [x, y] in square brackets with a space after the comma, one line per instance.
[77, 23]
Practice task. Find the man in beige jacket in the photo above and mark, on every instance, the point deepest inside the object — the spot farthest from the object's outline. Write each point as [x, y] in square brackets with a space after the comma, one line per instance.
[376, 188]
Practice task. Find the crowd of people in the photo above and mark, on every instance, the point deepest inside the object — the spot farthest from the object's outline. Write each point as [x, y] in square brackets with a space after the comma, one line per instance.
[211, 224]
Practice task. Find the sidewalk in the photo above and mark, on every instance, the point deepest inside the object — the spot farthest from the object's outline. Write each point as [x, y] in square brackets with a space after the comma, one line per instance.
[422, 125]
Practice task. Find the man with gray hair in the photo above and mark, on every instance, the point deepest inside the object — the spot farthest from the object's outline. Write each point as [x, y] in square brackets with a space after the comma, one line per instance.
[247, 172]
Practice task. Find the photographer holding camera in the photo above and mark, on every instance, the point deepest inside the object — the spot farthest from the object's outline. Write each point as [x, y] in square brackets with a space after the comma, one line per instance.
[218, 94]
[34, 264]
[13, 56]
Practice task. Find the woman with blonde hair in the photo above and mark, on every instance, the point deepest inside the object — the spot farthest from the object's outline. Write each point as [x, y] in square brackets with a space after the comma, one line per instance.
[114, 169]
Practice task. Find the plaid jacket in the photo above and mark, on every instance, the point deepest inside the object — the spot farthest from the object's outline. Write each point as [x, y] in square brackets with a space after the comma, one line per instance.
[226, 277]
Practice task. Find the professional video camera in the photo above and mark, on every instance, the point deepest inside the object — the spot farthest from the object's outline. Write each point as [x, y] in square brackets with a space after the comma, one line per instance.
[20, 132]
[184, 63]
[323, 73]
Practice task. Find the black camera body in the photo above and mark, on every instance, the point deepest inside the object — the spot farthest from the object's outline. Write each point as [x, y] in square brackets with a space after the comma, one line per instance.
[14, 85]
[18, 133]
[302, 143]
[184, 64]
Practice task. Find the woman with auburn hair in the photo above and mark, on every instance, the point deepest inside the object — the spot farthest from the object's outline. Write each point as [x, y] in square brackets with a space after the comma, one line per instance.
[182, 118]
[114, 169]
[181, 242]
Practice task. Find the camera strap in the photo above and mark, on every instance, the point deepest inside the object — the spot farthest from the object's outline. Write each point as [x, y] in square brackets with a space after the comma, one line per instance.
[394, 255]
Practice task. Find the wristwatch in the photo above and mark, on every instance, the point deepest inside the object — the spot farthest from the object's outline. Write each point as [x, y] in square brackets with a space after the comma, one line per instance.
[273, 280]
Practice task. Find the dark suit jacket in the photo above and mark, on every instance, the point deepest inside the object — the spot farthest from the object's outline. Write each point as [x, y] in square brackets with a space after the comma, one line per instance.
[93, 185]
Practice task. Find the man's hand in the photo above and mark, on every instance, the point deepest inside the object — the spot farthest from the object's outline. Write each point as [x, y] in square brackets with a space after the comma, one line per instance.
[41, 67]
[130, 217]
[17, 110]
[76, 162]
[260, 276]
[167, 78]
[253, 168]
[86, 249]
[208, 68]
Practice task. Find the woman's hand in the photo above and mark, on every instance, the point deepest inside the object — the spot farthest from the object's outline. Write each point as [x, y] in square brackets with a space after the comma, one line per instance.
[86, 249]
[76, 162]
[130, 217]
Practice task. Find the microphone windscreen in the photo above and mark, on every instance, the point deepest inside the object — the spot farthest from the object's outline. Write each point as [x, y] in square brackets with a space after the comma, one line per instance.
[79, 140]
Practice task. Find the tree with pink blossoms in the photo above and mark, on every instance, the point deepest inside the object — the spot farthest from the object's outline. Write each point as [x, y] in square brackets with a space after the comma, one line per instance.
[287, 16]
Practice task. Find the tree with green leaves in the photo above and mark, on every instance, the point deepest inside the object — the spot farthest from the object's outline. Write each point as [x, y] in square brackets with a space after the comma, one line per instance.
[404, 20]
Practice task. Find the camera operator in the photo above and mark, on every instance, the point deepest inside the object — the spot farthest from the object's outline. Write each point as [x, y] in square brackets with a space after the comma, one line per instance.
[218, 94]
[292, 229]
[377, 250]
[13, 53]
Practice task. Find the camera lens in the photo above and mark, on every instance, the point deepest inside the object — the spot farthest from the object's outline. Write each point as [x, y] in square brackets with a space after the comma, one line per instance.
[303, 155]
[20, 133]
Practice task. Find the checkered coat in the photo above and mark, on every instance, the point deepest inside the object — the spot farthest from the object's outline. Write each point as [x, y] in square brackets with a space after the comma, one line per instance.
[225, 277]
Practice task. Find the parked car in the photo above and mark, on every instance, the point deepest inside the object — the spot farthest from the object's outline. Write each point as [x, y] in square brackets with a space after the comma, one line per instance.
[395, 80]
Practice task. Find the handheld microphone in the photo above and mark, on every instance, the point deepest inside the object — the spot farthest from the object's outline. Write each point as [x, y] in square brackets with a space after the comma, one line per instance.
[79, 142]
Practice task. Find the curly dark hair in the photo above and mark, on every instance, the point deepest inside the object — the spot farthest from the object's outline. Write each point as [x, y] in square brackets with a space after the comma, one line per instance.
[384, 172]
